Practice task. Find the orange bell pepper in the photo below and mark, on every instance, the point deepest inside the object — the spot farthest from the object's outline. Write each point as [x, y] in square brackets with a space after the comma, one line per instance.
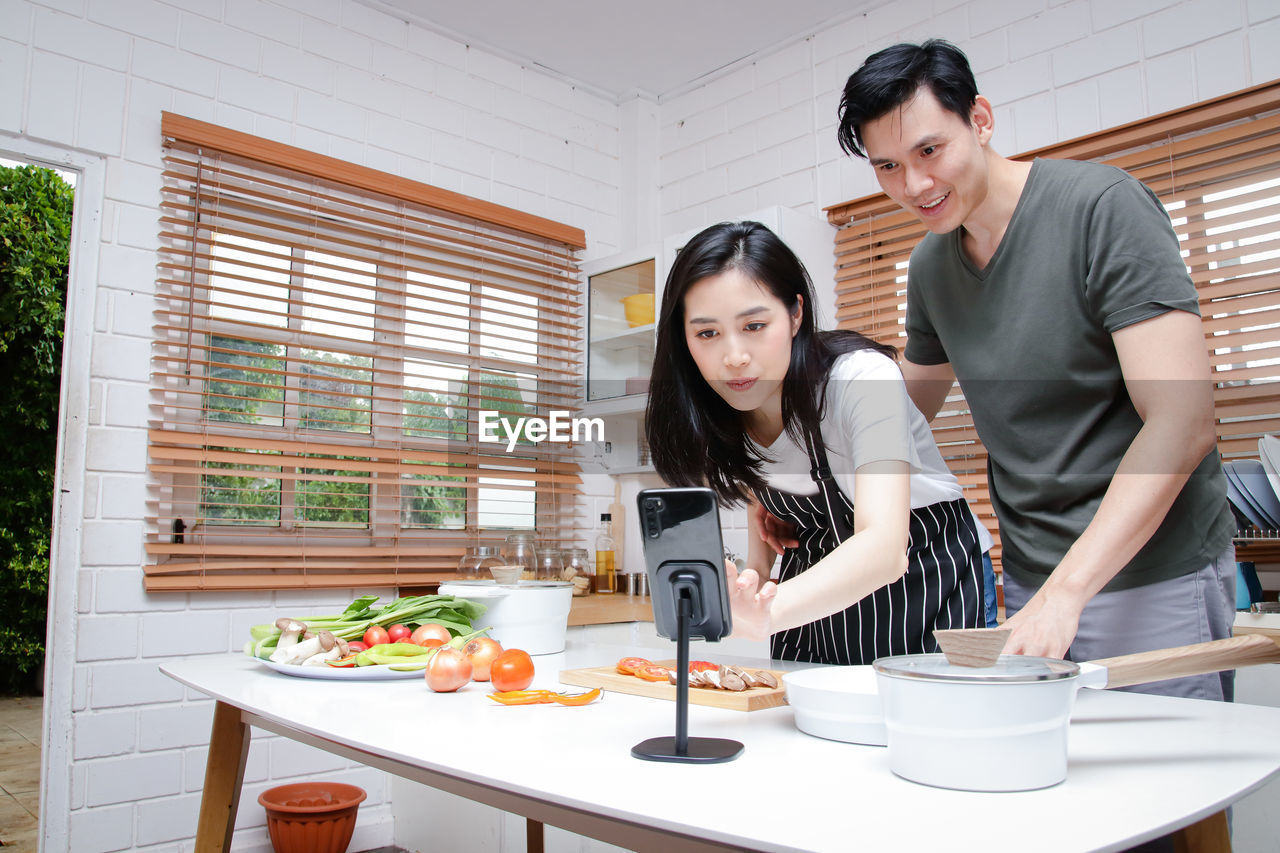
[577, 698]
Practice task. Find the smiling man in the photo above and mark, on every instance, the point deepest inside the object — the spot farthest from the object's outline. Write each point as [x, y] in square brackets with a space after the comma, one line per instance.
[1055, 293]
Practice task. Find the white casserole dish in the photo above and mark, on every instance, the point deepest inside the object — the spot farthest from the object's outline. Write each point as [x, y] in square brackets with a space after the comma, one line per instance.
[837, 703]
[529, 615]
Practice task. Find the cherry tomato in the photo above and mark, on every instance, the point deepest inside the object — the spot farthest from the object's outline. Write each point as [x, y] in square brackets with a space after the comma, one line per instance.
[652, 672]
[398, 633]
[511, 670]
[628, 666]
[376, 636]
[430, 631]
[357, 646]
[482, 652]
[448, 670]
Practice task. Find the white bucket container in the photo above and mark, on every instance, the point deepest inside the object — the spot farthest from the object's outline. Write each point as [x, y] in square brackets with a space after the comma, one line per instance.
[528, 615]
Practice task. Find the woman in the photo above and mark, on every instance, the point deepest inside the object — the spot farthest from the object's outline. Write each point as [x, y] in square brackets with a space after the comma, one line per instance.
[811, 425]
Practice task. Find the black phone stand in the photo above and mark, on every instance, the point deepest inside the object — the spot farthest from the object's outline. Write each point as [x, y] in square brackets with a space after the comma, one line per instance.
[681, 748]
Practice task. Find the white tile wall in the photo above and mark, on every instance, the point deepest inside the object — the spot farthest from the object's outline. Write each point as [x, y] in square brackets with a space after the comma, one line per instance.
[339, 78]
[327, 75]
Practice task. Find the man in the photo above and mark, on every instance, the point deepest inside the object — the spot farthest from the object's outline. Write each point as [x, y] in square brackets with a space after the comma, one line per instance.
[1054, 291]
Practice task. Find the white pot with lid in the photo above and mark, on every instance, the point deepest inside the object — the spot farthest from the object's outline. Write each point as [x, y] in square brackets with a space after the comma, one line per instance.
[528, 615]
[993, 728]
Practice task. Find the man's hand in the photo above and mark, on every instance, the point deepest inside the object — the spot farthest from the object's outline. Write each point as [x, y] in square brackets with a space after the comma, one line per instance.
[1045, 627]
[752, 606]
[776, 533]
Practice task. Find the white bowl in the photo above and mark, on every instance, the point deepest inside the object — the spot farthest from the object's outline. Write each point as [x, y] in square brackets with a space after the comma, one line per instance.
[837, 703]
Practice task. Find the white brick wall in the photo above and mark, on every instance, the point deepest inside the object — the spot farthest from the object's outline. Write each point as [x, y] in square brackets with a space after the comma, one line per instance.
[1054, 70]
[327, 75]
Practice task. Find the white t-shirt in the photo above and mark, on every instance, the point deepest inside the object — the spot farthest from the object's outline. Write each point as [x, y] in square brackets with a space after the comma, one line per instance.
[868, 418]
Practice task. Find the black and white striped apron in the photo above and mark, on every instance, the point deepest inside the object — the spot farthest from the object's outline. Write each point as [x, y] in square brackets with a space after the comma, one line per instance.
[942, 587]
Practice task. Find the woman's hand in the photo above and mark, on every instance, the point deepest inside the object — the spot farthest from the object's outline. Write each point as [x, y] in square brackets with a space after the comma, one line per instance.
[752, 603]
[776, 533]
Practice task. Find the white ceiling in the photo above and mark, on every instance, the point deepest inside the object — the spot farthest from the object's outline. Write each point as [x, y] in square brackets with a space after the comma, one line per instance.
[620, 49]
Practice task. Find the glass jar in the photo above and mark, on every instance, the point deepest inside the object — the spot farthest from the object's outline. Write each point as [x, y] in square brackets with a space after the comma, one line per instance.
[475, 564]
[577, 570]
[550, 565]
[519, 551]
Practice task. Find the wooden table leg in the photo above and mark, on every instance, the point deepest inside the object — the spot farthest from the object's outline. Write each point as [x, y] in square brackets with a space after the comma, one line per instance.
[1208, 836]
[533, 836]
[223, 773]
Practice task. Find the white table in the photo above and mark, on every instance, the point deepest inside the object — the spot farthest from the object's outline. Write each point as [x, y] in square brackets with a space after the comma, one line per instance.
[1140, 766]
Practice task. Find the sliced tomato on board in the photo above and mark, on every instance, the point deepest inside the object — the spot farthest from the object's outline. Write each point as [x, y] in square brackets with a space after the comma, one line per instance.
[629, 666]
[652, 672]
[703, 666]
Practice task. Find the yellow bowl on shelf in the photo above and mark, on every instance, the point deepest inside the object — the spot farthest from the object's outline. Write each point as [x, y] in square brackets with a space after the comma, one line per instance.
[638, 308]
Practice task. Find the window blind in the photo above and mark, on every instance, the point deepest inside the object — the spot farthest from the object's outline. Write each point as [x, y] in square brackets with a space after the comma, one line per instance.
[327, 341]
[1216, 167]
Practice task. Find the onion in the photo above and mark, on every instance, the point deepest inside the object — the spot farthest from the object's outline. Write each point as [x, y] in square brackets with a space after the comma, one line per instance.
[448, 670]
[481, 651]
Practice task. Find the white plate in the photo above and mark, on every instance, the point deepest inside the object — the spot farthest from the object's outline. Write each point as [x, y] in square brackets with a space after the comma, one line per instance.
[342, 673]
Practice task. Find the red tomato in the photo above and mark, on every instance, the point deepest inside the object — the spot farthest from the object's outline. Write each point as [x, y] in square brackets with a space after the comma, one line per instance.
[375, 636]
[511, 670]
[702, 666]
[357, 646]
[652, 672]
[430, 631]
[482, 651]
[448, 670]
[629, 666]
[397, 632]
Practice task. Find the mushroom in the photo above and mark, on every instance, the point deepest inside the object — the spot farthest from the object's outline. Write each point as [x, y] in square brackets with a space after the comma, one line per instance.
[291, 631]
[299, 652]
[765, 677]
[730, 680]
[337, 649]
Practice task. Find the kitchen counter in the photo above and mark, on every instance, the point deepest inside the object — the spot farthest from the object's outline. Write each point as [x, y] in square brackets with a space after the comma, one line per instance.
[1186, 759]
[596, 609]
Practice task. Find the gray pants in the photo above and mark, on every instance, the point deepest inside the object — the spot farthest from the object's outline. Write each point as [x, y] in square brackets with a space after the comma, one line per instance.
[1193, 608]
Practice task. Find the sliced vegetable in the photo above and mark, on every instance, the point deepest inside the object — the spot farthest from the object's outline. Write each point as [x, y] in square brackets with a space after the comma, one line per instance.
[523, 697]
[628, 666]
[577, 698]
[544, 697]
[349, 660]
[652, 672]
[702, 666]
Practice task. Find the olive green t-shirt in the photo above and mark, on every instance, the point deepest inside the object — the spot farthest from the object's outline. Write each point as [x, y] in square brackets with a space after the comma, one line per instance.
[1089, 250]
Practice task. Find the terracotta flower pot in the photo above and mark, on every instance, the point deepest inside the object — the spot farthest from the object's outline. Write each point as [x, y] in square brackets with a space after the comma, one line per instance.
[311, 817]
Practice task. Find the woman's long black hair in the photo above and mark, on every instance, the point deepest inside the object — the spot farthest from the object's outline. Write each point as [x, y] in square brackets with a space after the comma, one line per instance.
[695, 437]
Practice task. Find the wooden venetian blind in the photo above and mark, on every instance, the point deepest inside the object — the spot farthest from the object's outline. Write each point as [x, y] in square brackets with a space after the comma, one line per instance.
[326, 339]
[1216, 167]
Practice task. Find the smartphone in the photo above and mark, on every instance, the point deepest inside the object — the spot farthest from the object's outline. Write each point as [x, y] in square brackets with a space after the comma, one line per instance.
[684, 558]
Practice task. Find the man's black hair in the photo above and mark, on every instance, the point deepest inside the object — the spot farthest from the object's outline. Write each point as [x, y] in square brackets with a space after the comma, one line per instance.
[891, 77]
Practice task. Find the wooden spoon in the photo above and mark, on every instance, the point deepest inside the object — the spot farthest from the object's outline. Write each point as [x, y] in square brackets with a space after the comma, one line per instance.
[971, 646]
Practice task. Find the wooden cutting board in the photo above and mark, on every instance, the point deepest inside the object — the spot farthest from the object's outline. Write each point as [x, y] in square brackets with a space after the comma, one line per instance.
[608, 678]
